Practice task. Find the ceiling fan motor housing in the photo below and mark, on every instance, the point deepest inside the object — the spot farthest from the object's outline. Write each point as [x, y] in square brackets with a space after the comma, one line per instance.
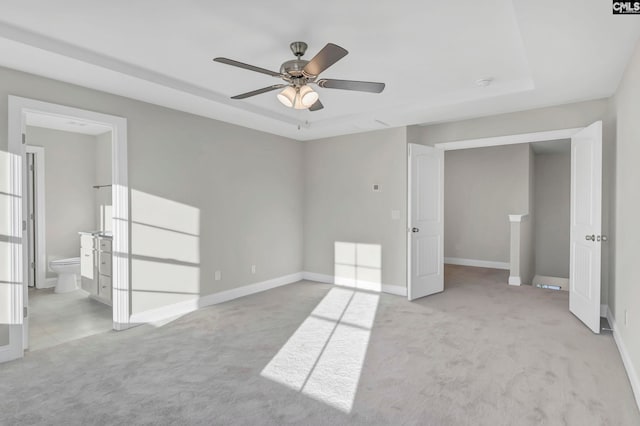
[293, 67]
[298, 48]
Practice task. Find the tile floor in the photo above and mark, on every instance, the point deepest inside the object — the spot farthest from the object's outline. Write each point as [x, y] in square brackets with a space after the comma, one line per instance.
[58, 318]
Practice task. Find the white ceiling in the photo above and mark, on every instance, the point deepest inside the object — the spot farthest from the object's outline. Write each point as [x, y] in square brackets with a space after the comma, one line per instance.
[429, 53]
[65, 124]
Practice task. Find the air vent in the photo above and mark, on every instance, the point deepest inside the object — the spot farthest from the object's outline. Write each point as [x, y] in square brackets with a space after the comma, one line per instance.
[549, 286]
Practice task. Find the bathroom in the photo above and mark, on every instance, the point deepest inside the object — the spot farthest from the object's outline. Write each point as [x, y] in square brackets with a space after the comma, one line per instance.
[69, 176]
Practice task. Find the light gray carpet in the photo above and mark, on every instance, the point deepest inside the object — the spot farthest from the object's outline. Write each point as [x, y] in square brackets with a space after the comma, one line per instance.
[481, 353]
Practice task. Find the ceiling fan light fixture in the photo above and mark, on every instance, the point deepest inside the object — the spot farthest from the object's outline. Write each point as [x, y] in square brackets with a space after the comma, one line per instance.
[298, 103]
[298, 73]
[308, 96]
[288, 96]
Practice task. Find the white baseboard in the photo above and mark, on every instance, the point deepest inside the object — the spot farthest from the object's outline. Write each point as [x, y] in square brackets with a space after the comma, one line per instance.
[513, 280]
[182, 308]
[634, 379]
[48, 283]
[477, 263]
[319, 278]
[397, 290]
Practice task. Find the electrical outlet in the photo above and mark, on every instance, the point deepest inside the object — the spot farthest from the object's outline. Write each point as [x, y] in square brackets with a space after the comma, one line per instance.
[218, 276]
[253, 269]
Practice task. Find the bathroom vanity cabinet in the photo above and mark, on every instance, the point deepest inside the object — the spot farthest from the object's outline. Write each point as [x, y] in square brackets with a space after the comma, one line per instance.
[95, 266]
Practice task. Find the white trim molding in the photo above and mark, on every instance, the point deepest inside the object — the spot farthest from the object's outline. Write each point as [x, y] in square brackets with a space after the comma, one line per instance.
[518, 217]
[40, 215]
[182, 308]
[513, 280]
[476, 263]
[510, 139]
[632, 373]
[319, 278]
[398, 290]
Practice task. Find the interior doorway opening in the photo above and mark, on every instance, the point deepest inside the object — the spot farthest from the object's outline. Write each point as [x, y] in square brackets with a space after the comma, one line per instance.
[585, 217]
[19, 111]
[69, 205]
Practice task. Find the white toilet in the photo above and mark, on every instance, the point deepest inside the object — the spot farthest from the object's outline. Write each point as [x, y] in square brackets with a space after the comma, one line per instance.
[68, 271]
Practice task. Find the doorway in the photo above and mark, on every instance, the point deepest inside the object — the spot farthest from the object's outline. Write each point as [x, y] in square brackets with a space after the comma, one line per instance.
[19, 109]
[74, 180]
[425, 262]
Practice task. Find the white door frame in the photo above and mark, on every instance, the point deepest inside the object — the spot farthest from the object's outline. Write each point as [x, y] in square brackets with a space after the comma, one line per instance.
[40, 237]
[551, 135]
[18, 108]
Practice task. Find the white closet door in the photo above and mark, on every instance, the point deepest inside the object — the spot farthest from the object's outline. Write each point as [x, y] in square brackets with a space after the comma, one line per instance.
[426, 221]
[586, 225]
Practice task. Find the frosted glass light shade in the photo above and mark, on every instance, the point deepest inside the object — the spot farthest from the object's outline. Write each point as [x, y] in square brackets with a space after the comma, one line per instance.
[288, 96]
[308, 96]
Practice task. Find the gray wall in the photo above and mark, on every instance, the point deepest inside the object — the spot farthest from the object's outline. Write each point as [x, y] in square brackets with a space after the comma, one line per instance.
[551, 214]
[69, 197]
[579, 114]
[625, 293]
[482, 187]
[340, 205]
[238, 195]
[103, 204]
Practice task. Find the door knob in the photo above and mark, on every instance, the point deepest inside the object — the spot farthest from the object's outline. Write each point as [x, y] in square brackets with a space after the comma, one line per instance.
[415, 229]
[590, 237]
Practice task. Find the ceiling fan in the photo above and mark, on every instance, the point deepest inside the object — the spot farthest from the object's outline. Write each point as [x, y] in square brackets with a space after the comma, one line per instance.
[300, 74]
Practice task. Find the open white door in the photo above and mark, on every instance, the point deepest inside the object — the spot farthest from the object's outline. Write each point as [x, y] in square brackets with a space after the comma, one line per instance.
[426, 221]
[11, 248]
[586, 225]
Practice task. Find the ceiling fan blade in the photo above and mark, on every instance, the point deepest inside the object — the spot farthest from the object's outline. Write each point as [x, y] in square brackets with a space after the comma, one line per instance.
[329, 55]
[247, 66]
[317, 106]
[360, 86]
[259, 91]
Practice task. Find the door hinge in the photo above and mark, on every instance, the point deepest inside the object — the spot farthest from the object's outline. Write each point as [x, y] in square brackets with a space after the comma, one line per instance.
[24, 139]
[33, 265]
[25, 311]
[31, 167]
[24, 225]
